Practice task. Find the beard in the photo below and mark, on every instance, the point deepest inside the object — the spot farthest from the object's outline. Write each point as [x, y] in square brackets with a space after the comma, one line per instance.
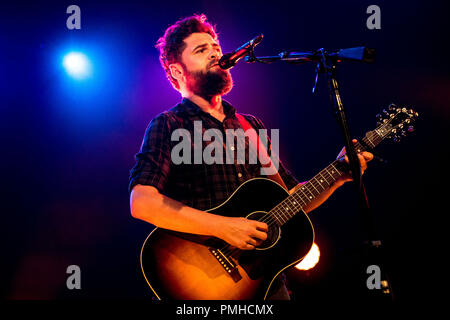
[210, 83]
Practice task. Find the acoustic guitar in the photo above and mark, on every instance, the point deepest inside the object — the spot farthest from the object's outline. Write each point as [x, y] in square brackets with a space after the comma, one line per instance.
[191, 267]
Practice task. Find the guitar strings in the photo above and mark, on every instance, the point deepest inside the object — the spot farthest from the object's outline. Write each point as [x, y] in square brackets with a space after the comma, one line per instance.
[277, 216]
[271, 217]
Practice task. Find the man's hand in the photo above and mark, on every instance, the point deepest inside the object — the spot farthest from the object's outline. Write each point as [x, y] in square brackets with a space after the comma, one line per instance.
[242, 233]
[363, 157]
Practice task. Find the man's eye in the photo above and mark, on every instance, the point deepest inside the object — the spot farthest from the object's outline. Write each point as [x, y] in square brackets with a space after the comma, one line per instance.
[201, 50]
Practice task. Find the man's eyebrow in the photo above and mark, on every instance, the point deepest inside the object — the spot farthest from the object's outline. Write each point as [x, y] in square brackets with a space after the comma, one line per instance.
[205, 45]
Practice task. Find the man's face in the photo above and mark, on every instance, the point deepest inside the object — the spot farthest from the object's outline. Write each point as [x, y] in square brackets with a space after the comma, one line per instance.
[200, 63]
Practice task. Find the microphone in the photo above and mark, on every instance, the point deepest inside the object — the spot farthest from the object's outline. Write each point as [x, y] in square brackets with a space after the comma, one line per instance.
[229, 60]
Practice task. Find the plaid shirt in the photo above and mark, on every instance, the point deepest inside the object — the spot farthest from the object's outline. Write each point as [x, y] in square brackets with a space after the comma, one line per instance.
[201, 186]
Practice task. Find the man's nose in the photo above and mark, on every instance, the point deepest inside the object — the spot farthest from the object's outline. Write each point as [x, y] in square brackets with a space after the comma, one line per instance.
[215, 54]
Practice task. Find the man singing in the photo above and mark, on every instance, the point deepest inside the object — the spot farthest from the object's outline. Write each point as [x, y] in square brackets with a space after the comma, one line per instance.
[175, 196]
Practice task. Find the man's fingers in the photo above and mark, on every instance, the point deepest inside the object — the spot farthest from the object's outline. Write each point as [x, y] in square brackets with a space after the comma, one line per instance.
[364, 157]
[259, 235]
[367, 155]
[362, 162]
[261, 226]
[248, 246]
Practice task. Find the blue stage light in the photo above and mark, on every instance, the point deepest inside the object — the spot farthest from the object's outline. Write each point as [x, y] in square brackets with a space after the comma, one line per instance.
[77, 65]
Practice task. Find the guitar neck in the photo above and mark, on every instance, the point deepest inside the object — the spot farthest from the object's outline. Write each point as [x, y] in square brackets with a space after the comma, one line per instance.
[322, 181]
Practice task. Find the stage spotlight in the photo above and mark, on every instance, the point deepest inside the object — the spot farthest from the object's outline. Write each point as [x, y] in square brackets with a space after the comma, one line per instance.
[77, 65]
[311, 259]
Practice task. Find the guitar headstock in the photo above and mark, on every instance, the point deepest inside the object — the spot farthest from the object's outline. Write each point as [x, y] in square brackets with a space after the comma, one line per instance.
[395, 122]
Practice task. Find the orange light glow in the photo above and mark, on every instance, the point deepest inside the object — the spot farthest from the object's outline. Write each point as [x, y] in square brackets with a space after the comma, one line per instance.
[311, 258]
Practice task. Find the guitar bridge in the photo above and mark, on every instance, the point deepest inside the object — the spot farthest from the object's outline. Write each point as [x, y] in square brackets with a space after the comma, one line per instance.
[227, 264]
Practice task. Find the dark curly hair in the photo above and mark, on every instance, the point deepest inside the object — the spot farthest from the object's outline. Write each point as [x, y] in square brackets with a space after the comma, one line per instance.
[172, 44]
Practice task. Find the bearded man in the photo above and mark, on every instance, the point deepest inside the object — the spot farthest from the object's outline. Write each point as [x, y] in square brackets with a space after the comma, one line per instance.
[176, 196]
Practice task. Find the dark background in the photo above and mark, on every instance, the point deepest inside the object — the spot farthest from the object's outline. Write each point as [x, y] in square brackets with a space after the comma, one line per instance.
[68, 146]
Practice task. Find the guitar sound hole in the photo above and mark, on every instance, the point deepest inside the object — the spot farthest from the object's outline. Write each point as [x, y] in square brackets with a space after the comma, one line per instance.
[274, 231]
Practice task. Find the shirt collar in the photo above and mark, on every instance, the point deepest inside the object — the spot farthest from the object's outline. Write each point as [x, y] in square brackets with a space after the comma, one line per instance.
[192, 109]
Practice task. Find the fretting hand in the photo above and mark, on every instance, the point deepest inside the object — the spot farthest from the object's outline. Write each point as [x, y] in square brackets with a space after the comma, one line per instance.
[364, 157]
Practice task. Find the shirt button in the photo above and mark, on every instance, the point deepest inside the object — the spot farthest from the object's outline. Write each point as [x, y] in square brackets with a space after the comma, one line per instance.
[240, 175]
[232, 148]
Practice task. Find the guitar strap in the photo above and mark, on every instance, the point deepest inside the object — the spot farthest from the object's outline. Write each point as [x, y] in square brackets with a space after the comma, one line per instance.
[260, 147]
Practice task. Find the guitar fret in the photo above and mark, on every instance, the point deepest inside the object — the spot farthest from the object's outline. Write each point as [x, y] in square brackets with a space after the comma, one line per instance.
[376, 138]
[335, 170]
[292, 203]
[332, 178]
[278, 214]
[324, 179]
[303, 197]
[319, 182]
[287, 208]
[296, 202]
[281, 214]
[311, 183]
[305, 187]
[370, 141]
[274, 215]
[299, 198]
[291, 208]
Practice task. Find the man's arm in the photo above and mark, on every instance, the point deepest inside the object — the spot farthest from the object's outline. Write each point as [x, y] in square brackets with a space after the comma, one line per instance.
[364, 157]
[149, 177]
[321, 198]
[148, 204]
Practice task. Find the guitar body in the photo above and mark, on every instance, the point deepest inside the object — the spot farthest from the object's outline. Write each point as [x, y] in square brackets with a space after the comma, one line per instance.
[182, 266]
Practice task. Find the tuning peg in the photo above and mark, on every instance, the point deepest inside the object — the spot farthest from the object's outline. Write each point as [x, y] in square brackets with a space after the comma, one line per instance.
[385, 112]
[379, 116]
[413, 113]
[396, 139]
[392, 107]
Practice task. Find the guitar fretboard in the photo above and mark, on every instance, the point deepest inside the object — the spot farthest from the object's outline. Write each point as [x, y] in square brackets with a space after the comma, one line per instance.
[319, 183]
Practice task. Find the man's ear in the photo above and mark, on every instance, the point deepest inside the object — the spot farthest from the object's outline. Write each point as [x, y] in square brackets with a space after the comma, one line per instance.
[176, 71]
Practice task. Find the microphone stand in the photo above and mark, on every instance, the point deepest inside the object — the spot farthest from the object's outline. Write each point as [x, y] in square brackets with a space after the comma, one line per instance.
[327, 63]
